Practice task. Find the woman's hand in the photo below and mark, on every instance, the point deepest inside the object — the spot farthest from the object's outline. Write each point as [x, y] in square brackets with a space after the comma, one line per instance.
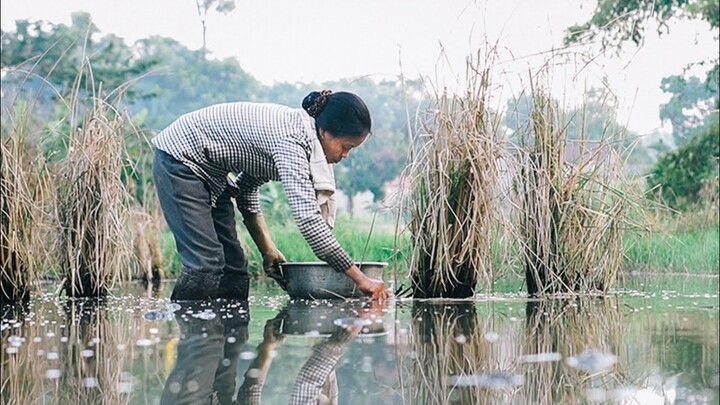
[271, 265]
[373, 287]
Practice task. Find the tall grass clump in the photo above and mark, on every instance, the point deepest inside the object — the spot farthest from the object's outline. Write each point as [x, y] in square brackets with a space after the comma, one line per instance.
[452, 175]
[572, 203]
[21, 184]
[91, 201]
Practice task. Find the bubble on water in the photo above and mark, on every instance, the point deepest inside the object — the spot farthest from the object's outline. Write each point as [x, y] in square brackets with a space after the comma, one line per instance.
[87, 353]
[350, 322]
[124, 387]
[193, 386]
[253, 373]
[494, 381]
[53, 374]
[366, 366]
[90, 382]
[541, 357]
[16, 341]
[53, 356]
[144, 342]
[492, 337]
[205, 315]
[592, 361]
[174, 387]
[247, 355]
[231, 339]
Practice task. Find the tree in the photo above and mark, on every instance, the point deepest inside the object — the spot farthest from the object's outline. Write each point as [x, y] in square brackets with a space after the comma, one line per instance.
[57, 52]
[617, 21]
[203, 7]
[690, 105]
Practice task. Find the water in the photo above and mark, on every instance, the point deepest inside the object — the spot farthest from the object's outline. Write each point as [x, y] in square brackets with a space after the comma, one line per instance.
[653, 342]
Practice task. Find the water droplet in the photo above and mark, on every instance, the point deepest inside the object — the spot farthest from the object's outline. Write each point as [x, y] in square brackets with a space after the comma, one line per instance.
[231, 339]
[144, 342]
[247, 355]
[124, 387]
[541, 357]
[174, 387]
[495, 381]
[193, 386]
[592, 361]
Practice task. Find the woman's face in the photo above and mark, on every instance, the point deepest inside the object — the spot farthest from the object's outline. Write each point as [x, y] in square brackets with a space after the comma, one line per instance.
[337, 148]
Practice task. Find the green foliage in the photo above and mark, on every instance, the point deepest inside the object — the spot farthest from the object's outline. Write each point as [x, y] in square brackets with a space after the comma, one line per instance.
[618, 21]
[681, 174]
[56, 52]
[690, 104]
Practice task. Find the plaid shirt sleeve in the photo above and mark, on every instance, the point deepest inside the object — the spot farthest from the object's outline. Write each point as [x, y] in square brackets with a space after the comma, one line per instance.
[318, 367]
[247, 193]
[294, 172]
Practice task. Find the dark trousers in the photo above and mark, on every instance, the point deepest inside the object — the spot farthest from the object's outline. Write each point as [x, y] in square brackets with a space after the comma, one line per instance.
[205, 236]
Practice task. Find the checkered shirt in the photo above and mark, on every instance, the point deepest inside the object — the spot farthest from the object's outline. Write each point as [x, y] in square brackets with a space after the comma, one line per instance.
[261, 142]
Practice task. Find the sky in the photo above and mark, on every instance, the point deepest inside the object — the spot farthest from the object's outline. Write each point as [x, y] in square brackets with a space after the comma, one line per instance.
[323, 40]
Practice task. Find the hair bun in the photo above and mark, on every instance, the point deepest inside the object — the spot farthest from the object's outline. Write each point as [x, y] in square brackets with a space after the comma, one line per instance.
[315, 102]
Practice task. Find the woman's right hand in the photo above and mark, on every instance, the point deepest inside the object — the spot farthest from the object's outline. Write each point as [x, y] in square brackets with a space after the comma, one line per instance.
[376, 289]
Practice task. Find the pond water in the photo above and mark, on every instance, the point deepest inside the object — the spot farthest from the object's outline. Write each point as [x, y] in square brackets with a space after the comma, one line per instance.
[654, 341]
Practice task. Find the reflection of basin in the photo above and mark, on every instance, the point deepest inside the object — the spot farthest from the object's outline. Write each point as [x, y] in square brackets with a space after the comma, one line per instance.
[317, 280]
[314, 318]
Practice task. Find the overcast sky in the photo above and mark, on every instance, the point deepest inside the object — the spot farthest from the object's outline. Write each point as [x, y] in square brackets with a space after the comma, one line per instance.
[319, 40]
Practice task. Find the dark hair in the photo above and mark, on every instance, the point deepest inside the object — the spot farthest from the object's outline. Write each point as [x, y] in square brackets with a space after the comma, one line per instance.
[341, 113]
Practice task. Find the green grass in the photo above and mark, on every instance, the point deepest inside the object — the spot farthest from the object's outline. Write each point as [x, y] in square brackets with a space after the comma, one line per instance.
[693, 252]
[353, 237]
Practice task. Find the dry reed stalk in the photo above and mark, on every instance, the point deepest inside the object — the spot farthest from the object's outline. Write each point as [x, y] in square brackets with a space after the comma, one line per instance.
[572, 213]
[148, 258]
[21, 192]
[91, 204]
[452, 177]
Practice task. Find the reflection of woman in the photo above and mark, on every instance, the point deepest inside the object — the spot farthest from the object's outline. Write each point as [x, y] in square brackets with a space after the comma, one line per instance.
[207, 355]
[261, 142]
[316, 382]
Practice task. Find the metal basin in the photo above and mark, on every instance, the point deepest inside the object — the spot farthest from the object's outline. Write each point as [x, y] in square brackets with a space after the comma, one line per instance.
[317, 280]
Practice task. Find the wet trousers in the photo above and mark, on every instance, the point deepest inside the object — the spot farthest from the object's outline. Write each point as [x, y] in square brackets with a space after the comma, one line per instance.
[214, 264]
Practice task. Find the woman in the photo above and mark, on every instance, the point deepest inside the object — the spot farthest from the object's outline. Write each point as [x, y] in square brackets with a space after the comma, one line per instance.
[260, 142]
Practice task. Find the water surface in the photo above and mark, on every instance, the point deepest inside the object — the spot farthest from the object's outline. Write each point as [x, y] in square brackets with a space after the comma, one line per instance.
[653, 341]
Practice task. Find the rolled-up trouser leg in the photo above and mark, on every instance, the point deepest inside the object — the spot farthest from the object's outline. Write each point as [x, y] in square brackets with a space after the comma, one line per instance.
[185, 201]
